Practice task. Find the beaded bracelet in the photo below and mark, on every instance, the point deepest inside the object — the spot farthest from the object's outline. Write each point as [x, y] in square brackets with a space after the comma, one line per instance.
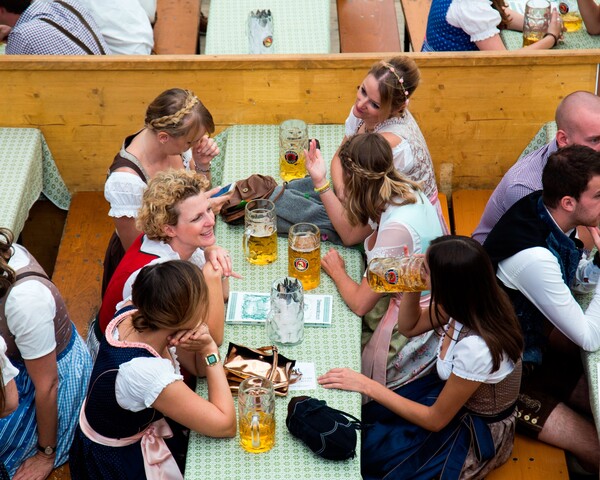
[324, 188]
[198, 169]
[548, 34]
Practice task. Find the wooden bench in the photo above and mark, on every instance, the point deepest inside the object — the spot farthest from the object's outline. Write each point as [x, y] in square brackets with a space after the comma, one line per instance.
[467, 208]
[368, 26]
[416, 13]
[176, 27]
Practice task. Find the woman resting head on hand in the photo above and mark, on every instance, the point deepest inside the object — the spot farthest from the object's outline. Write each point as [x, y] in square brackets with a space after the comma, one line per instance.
[429, 427]
[136, 381]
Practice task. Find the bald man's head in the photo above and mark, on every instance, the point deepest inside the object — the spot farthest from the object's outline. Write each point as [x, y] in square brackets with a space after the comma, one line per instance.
[578, 120]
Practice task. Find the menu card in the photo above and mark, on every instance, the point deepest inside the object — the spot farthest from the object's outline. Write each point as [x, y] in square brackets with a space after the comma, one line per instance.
[248, 308]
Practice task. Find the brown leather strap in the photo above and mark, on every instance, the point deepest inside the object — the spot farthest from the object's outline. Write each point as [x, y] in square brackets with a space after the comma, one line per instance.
[120, 162]
[85, 24]
[283, 187]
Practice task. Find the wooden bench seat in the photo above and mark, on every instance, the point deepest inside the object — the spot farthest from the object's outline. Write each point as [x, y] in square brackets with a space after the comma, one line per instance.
[416, 13]
[368, 26]
[176, 27]
[467, 208]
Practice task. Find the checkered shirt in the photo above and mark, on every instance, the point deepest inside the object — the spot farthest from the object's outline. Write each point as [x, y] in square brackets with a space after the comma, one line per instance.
[32, 36]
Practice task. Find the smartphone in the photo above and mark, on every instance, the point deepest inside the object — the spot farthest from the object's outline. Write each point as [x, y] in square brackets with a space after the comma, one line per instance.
[226, 189]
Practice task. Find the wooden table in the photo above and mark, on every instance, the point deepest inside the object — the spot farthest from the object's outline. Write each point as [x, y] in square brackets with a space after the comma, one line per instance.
[27, 169]
[298, 26]
[253, 149]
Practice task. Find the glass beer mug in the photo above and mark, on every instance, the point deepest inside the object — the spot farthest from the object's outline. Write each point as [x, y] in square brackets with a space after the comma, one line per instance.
[260, 232]
[570, 15]
[304, 254]
[293, 140]
[256, 414]
[285, 320]
[535, 21]
[403, 273]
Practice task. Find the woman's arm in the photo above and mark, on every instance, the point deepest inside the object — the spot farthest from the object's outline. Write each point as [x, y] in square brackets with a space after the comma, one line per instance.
[216, 306]
[44, 375]
[203, 153]
[590, 12]
[454, 395]
[413, 318]
[126, 230]
[358, 296]
[11, 398]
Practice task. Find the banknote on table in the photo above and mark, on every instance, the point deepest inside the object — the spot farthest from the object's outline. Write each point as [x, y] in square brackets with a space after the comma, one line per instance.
[249, 308]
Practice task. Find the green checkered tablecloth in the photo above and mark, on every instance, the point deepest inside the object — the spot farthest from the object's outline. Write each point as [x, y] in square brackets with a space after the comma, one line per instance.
[572, 40]
[298, 27]
[27, 170]
[253, 149]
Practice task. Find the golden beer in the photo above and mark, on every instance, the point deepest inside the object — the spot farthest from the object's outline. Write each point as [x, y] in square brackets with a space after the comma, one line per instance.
[260, 250]
[305, 266]
[257, 431]
[292, 165]
[531, 37]
[304, 254]
[572, 21]
[396, 274]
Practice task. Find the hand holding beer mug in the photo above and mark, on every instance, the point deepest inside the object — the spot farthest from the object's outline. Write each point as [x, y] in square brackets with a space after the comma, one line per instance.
[304, 254]
[293, 140]
[397, 271]
[285, 320]
[256, 414]
[260, 232]
[535, 21]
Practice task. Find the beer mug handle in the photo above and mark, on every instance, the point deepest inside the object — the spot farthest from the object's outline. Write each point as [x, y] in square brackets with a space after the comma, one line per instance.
[245, 241]
[255, 430]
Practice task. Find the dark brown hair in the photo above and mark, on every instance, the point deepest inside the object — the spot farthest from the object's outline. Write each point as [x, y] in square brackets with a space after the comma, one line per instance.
[463, 284]
[390, 74]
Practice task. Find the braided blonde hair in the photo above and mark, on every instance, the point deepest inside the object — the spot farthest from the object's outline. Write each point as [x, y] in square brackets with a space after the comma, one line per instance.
[371, 182]
[178, 112]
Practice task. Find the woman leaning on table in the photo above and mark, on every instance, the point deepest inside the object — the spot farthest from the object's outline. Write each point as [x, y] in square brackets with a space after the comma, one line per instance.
[381, 106]
[400, 215]
[463, 25]
[53, 361]
[136, 385]
[175, 135]
[458, 421]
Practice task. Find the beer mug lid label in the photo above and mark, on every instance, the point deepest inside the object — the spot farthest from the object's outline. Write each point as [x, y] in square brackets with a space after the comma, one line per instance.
[301, 264]
[391, 276]
[291, 157]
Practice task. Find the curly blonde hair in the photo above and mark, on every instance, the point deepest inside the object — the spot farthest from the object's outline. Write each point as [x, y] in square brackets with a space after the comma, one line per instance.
[398, 78]
[178, 112]
[162, 197]
[371, 182]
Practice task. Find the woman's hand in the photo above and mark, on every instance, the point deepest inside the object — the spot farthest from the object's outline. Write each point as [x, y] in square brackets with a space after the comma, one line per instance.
[343, 379]
[556, 25]
[4, 31]
[220, 260]
[37, 467]
[315, 165]
[204, 151]
[216, 203]
[196, 340]
[333, 263]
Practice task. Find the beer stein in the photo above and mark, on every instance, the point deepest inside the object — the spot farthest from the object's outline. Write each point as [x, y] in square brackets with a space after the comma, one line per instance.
[304, 254]
[285, 320]
[293, 140]
[256, 414]
[260, 232]
[399, 273]
[535, 21]
[569, 13]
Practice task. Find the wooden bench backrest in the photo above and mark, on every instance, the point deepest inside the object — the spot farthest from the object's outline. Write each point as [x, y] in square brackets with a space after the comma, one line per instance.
[176, 27]
[477, 110]
[415, 21]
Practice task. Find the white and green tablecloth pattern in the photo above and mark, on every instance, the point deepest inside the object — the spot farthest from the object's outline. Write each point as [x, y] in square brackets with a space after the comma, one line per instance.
[27, 170]
[544, 135]
[253, 149]
[571, 41]
[298, 26]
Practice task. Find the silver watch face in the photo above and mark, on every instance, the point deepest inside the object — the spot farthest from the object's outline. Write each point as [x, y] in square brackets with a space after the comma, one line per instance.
[49, 450]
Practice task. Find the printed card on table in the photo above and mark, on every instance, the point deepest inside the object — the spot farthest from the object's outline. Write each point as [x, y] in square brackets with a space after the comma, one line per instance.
[248, 308]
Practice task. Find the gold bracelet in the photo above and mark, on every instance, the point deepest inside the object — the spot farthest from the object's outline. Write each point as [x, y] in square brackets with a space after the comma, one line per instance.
[324, 188]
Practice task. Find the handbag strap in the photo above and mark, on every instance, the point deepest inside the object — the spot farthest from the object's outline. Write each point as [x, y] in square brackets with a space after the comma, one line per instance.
[72, 37]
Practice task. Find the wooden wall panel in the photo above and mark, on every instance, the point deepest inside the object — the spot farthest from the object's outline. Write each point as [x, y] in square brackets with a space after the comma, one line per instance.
[477, 111]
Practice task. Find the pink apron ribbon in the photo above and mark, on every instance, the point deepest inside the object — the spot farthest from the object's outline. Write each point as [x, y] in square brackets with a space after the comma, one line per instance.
[375, 353]
[159, 463]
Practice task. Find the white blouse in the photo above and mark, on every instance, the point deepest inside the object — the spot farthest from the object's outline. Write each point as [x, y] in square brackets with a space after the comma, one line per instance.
[8, 370]
[470, 358]
[477, 18]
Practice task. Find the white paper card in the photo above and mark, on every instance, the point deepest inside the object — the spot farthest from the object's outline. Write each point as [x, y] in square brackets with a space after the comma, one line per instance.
[248, 308]
[309, 378]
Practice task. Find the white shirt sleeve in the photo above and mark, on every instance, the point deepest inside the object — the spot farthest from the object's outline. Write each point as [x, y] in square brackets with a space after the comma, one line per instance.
[8, 370]
[477, 18]
[141, 380]
[472, 360]
[124, 192]
[352, 124]
[535, 273]
[30, 310]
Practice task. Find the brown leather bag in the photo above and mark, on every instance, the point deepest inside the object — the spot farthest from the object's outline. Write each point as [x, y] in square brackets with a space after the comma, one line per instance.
[254, 187]
[243, 362]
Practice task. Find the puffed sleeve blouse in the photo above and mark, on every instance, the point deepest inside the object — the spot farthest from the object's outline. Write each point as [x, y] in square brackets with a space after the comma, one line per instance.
[477, 18]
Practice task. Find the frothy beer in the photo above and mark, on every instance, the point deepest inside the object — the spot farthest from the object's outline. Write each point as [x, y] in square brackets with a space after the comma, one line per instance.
[304, 254]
